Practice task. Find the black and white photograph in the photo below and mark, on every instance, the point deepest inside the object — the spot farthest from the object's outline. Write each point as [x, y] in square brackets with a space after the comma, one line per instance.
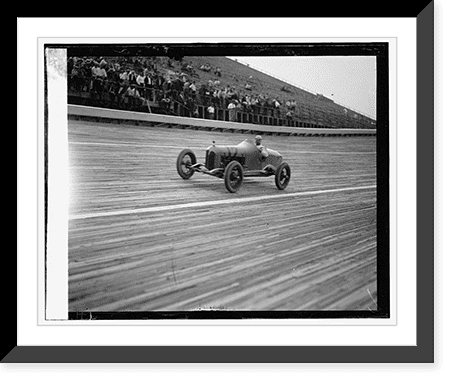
[225, 181]
[248, 191]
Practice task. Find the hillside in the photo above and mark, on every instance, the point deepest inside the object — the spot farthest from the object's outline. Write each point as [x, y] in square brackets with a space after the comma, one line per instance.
[310, 107]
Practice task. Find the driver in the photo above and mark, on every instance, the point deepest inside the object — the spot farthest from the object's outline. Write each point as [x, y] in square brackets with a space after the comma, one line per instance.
[258, 143]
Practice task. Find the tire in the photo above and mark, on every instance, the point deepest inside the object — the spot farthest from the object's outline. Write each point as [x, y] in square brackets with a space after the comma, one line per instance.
[233, 176]
[282, 176]
[186, 157]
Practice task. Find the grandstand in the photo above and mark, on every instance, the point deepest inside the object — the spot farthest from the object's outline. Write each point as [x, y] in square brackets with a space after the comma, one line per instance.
[254, 103]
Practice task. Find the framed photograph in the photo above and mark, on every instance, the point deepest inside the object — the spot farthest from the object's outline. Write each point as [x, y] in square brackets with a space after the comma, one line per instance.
[232, 199]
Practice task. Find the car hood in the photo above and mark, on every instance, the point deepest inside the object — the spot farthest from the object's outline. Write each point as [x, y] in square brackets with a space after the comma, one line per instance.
[246, 147]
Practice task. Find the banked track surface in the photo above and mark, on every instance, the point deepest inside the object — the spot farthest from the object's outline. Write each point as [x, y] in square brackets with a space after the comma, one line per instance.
[141, 238]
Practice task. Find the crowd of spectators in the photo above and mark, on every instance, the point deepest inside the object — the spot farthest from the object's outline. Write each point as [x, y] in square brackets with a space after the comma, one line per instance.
[207, 68]
[214, 94]
[134, 80]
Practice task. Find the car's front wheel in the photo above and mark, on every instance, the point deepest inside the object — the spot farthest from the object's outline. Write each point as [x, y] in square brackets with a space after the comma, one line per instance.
[233, 176]
[282, 177]
[185, 159]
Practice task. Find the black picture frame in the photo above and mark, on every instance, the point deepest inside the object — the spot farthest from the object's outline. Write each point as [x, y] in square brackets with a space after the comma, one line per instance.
[423, 352]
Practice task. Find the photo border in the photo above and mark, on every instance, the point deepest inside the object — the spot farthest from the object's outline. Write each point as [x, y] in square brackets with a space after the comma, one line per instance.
[423, 352]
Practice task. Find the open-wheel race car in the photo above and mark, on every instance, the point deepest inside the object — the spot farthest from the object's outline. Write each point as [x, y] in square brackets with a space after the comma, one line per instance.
[233, 163]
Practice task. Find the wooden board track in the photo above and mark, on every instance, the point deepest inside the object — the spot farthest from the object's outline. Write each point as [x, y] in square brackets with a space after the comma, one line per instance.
[141, 238]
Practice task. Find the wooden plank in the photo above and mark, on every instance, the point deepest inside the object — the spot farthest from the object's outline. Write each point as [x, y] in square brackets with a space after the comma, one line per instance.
[295, 253]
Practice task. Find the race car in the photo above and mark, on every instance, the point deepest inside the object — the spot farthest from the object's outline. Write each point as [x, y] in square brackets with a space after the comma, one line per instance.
[233, 163]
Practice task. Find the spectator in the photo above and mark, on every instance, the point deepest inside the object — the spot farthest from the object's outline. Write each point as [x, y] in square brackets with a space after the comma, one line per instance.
[102, 73]
[248, 86]
[205, 68]
[132, 77]
[210, 111]
[207, 94]
[189, 67]
[147, 85]
[94, 71]
[263, 101]
[113, 91]
[112, 74]
[224, 94]
[246, 103]
[98, 76]
[186, 87]
[276, 105]
[124, 76]
[153, 64]
[165, 102]
[193, 89]
[167, 86]
[178, 84]
[191, 106]
[254, 104]
[132, 96]
[154, 81]
[195, 112]
[76, 79]
[140, 80]
[201, 94]
[233, 93]
[217, 97]
[132, 91]
[232, 111]
[161, 81]
[122, 89]
[183, 77]
[217, 72]
[147, 80]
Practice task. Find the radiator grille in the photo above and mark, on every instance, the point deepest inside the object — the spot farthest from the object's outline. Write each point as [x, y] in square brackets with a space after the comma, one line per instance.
[210, 159]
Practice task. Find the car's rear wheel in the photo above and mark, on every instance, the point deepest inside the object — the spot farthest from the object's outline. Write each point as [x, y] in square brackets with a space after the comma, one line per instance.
[185, 159]
[282, 176]
[233, 176]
